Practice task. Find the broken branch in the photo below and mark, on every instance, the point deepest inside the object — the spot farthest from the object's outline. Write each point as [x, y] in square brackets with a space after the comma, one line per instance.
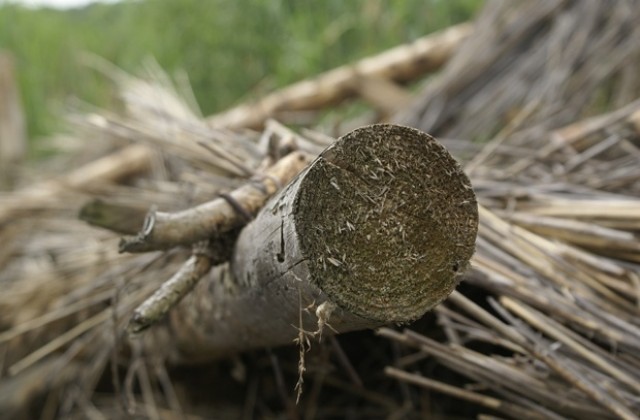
[213, 218]
[380, 226]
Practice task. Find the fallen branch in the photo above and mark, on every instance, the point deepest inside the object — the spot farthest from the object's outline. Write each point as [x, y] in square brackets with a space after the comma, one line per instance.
[402, 63]
[166, 230]
[111, 168]
[170, 293]
[353, 231]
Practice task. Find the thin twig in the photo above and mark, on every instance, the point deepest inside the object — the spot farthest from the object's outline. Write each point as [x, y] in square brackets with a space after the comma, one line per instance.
[170, 293]
[214, 218]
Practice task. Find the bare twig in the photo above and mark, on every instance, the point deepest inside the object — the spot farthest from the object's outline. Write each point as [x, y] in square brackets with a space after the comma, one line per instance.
[401, 63]
[170, 293]
[214, 218]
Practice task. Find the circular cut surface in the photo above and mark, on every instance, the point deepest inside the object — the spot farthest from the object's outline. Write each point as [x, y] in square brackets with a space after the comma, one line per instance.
[387, 220]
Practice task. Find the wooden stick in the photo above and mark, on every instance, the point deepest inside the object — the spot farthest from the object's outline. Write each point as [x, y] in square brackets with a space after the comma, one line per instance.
[166, 230]
[111, 168]
[483, 400]
[170, 293]
[546, 325]
[539, 348]
[348, 233]
[402, 63]
[123, 219]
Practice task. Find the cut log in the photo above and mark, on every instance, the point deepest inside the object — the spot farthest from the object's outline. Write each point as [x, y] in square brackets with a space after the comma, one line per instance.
[402, 63]
[376, 230]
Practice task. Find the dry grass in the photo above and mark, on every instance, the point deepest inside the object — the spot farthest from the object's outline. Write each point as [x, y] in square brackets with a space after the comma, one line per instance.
[546, 324]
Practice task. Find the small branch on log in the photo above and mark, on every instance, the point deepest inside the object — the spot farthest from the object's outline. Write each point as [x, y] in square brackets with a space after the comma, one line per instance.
[118, 218]
[379, 226]
[402, 63]
[216, 217]
[205, 255]
[170, 293]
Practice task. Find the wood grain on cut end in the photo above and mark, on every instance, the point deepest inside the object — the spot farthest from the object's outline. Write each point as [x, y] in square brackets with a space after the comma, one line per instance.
[387, 221]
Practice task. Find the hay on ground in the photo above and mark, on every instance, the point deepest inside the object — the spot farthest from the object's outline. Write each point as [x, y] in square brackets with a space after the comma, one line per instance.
[545, 325]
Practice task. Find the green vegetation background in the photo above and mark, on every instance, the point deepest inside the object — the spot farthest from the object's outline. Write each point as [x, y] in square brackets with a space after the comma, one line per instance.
[231, 50]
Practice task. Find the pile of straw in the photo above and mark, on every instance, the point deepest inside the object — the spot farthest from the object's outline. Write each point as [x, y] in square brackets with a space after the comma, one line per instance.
[545, 325]
[556, 276]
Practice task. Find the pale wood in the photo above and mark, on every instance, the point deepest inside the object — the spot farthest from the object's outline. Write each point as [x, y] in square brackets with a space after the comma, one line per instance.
[164, 230]
[384, 95]
[171, 292]
[402, 63]
[473, 397]
[376, 230]
[111, 168]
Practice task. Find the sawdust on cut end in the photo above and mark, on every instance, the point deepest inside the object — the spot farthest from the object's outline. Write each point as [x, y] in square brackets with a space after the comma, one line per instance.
[387, 221]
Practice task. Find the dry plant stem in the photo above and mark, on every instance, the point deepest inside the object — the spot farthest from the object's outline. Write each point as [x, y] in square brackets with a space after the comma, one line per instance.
[380, 225]
[583, 128]
[402, 63]
[503, 378]
[122, 219]
[493, 403]
[542, 323]
[573, 231]
[111, 168]
[58, 342]
[540, 349]
[214, 218]
[52, 316]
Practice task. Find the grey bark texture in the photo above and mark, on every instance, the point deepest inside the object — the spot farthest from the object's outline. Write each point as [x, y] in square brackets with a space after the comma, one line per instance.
[376, 230]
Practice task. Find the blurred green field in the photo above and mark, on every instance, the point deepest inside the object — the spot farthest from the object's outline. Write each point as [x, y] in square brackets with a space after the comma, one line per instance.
[231, 50]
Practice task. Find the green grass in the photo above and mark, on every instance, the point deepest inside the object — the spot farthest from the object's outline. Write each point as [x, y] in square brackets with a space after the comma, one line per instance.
[231, 50]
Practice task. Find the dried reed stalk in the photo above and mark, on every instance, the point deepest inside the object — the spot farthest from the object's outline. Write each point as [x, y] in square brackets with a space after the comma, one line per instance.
[403, 63]
[545, 324]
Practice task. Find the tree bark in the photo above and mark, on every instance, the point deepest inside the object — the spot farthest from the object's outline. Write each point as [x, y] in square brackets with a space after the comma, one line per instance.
[376, 230]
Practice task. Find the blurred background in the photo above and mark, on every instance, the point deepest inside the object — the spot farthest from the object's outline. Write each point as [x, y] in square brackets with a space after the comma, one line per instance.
[230, 51]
